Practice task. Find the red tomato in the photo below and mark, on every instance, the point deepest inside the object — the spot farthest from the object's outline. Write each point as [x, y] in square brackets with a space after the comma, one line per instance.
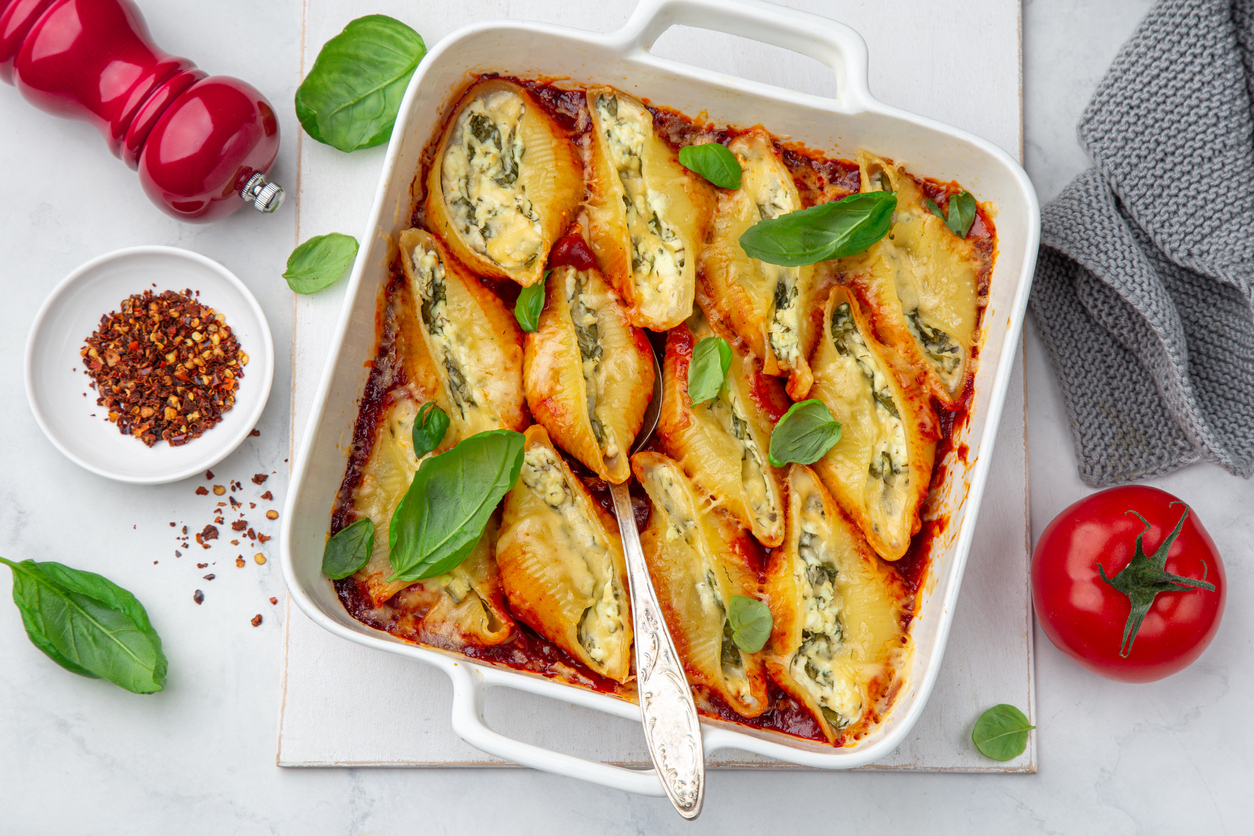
[1086, 617]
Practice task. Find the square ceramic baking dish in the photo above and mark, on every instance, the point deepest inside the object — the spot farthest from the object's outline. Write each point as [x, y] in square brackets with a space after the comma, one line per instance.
[840, 126]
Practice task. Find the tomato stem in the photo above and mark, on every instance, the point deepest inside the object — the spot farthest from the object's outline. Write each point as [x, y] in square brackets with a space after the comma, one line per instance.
[1145, 577]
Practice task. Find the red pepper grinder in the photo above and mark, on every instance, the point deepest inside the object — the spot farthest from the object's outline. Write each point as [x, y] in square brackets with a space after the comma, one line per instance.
[199, 142]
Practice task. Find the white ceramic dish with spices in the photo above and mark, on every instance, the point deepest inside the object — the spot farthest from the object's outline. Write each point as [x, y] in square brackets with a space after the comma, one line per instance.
[62, 400]
[838, 127]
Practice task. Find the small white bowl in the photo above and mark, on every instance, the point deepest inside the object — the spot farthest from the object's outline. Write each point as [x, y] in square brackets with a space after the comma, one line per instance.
[55, 382]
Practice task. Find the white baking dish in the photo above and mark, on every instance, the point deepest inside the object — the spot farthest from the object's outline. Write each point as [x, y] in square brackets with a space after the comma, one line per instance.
[842, 125]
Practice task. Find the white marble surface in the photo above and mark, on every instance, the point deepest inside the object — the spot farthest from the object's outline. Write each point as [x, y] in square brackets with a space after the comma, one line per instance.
[83, 756]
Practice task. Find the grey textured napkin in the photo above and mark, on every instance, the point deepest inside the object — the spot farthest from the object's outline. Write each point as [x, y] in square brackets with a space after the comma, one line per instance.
[1143, 287]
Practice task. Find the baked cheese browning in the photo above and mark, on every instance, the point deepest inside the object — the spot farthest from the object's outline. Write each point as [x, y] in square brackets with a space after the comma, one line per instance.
[562, 565]
[767, 305]
[722, 443]
[837, 634]
[647, 213]
[505, 183]
[458, 606]
[697, 561]
[588, 372]
[881, 468]
[462, 346]
[921, 282]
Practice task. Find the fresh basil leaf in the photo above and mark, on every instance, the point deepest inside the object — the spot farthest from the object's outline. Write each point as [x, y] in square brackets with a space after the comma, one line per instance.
[804, 435]
[961, 213]
[935, 210]
[443, 514]
[530, 303]
[831, 230]
[714, 162]
[348, 549]
[750, 622]
[88, 625]
[352, 94]
[429, 429]
[320, 261]
[708, 368]
[1001, 733]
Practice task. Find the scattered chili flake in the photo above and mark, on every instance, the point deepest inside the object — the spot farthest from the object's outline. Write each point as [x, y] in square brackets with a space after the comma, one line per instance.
[184, 529]
[234, 503]
[218, 490]
[255, 433]
[256, 620]
[171, 525]
[235, 542]
[239, 562]
[267, 495]
[200, 491]
[210, 576]
[208, 475]
[252, 505]
[274, 600]
[178, 553]
[260, 558]
[210, 533]
[239, 525]
[202, 565]
[165, 366]
[272, 514]
[198, 597]
[261, 538]
[259, 478]
[252, 535]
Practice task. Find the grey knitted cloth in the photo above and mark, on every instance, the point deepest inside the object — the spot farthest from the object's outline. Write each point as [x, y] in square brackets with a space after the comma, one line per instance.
[1143, 287]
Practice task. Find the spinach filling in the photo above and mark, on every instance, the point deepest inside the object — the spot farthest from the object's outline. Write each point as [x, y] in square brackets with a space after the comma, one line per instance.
[941, 348]
[433, 294]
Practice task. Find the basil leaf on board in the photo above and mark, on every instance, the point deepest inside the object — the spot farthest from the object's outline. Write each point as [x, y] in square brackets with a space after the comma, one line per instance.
[348, 549]
[750, 622]
[88, 625]
[443, 514]
[831, 230]
[804, 435]
[530, 303]
[708, 368]
[714, 162]
[320, 261]
[429, 429]
[961, 213]
[352, 94]
[1001, 733]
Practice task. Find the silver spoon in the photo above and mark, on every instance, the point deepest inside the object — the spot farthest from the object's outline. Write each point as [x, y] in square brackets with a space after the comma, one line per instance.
[671, 728]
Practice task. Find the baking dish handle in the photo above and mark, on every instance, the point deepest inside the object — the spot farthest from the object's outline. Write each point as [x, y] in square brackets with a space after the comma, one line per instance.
[469, 688]
[820, 38]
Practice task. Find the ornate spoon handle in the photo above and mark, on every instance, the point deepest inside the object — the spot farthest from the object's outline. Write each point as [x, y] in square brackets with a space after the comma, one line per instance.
[670, 717]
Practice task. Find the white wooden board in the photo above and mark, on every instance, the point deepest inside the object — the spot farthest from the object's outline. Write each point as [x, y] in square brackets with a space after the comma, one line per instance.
[955, 60]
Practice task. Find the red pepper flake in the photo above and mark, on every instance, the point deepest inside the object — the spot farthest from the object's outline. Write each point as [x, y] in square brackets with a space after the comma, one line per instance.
[252, 505]
[255, 433]
[210, 533]
[208, 475]
[178, 553]
[274, 600]
[239, 562]
[184, 529]
[165, 366]
[256, 620]
[261, 538]
[252, 535]
[200, 491]
[267, 496]
[235, 542]
[171, 525]
[198, 597]
[202, 565]
[210, 576]
[239, 525]
[260, 478]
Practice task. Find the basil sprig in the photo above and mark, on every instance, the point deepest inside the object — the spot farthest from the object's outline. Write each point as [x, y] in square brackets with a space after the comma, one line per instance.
[430, 425]
[352, 94]
[831, 230]
[1001, 733]
[320, 261]
[88, 625]
[444, 512]
[961, 213]
[530, 303]
[750, 621]
[714, 162]
[708, 368]
[804, 435]
[348, 550]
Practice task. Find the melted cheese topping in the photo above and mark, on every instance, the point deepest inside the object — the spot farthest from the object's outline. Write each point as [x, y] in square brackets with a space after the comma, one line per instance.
[764, 182]
[583, 316]
[729, 412]
[487, 202]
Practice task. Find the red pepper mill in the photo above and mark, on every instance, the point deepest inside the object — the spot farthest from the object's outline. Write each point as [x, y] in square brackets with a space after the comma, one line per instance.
[199, 142]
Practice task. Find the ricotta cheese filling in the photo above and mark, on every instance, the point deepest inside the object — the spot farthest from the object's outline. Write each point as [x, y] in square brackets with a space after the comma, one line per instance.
[583, 316]
[658, 255]
[487, 202]
[772, 198]
[730, 413]
[465, 382]
[822, 628]
[543, 475]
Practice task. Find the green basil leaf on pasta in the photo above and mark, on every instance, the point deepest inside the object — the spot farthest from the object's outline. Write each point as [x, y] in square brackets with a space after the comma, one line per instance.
[708, 368]
[714, 162]
[348, 549]
[447, 506]
[831, 230]
[935, 210]
[1001, 733]
[320, 262]
[961, 213]
[88, 625]
[750, 621]
[804, 435]
[352, 94]
[429, 428]
[530, 303]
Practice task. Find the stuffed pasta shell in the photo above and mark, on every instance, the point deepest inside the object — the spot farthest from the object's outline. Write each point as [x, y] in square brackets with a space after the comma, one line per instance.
[462, 347]
[836, 612]
[722, 443]
[459, 605]
[562, 565]
[505, 182]
[881, 468]
[921, 282]
[698, 559]
[647, 214]
[769, 306]
[588, 372]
